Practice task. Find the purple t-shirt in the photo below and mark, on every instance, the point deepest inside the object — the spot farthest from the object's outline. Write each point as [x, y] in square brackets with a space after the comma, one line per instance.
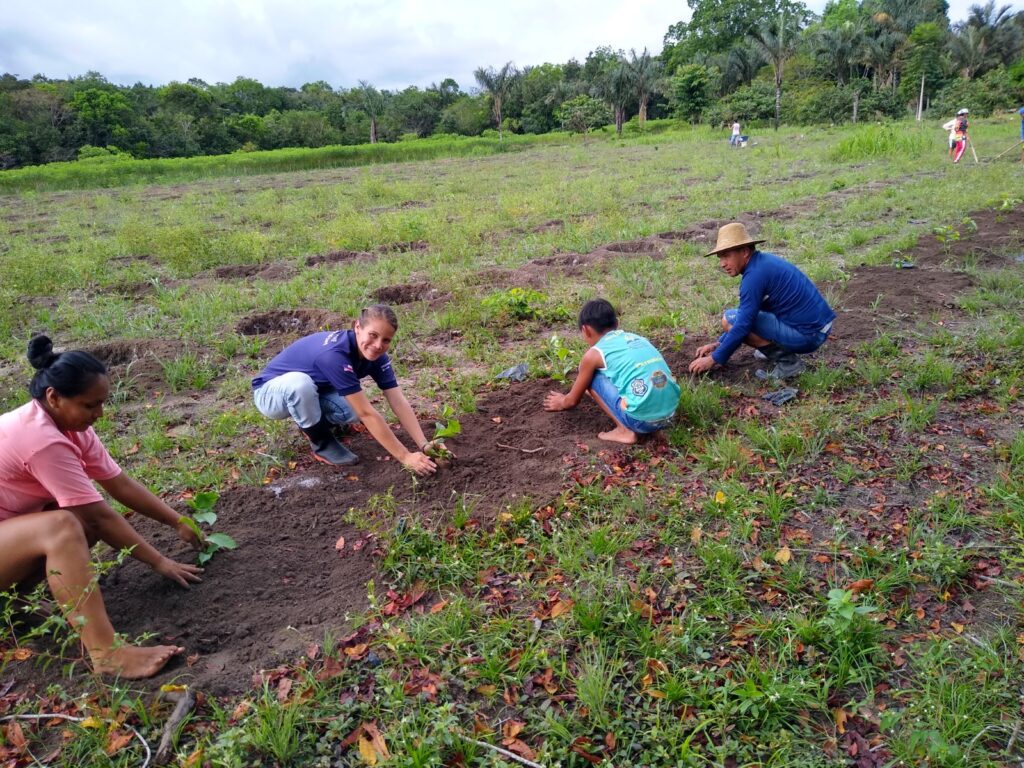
[332, 361]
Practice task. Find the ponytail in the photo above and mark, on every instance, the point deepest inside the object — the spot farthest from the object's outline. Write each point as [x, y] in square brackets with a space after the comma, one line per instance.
[69, 373]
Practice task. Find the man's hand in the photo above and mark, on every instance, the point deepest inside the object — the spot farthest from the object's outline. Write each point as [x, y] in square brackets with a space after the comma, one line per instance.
[420, 463]
[703, 364]
[183, 573]
[707, 349]
[189, 536]
[555, 401]
[437, 444]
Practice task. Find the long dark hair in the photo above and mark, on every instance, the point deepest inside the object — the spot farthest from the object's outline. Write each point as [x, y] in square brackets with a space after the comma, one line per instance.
[69, 373]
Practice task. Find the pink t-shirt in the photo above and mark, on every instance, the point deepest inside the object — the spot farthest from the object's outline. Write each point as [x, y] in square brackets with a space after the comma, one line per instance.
[41, 466]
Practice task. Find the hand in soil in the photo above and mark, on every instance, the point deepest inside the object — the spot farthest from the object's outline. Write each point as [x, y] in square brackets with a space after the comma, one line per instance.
[132, 662]
[555, 401]
[702, 364]
[182, 573]
[420, 463]
[436, 449]
[191, 536]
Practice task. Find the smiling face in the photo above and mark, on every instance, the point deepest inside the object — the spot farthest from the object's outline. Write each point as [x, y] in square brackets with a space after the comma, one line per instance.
[78, 413]
[373, 338]
[734, 260]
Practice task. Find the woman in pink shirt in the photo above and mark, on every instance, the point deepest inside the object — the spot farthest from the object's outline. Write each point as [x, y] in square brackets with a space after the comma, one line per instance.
[51, 513]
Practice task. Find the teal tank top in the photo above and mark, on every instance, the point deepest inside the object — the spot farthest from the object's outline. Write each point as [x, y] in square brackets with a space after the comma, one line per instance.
[641, 375]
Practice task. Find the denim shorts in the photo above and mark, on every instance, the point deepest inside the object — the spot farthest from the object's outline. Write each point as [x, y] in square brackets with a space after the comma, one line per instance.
[603, 388]
[770, 328]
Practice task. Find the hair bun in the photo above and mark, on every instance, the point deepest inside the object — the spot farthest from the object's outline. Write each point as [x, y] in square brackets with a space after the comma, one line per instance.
[40, 352]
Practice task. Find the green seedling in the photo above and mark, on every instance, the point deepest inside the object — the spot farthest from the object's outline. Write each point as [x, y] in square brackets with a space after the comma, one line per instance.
[447, 426]
[202, 512]
[558, 355]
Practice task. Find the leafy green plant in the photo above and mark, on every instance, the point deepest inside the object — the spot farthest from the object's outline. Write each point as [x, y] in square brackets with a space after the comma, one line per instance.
[516, 303]
[202, 513]
[558, 355]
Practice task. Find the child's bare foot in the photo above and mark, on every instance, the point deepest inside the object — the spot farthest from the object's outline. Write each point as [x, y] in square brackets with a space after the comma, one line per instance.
[132, 662]
[619, 435]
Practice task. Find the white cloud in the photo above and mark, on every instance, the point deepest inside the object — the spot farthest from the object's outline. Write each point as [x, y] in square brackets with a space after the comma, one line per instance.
[390, 43]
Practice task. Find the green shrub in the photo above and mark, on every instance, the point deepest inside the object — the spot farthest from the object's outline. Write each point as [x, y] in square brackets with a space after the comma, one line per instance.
[883, 141]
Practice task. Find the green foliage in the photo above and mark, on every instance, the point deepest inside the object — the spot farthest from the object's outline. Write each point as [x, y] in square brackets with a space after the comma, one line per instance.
[993, 91]
[872, 141]
[515, 303]
[688, 91]
[582, 114]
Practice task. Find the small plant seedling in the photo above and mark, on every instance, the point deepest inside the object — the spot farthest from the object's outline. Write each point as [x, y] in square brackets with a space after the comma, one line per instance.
[558, 354]
[202, 512]
[447, 426]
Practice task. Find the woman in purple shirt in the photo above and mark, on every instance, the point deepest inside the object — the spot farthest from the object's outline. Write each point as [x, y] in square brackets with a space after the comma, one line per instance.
[316, 382]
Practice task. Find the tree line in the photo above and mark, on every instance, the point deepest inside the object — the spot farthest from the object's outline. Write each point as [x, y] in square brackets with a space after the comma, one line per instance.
[749, 60]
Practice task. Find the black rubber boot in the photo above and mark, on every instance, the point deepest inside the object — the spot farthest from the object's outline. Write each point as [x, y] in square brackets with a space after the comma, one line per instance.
[326, 448]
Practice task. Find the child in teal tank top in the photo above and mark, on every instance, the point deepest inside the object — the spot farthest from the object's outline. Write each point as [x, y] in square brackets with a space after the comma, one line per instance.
[624, 374]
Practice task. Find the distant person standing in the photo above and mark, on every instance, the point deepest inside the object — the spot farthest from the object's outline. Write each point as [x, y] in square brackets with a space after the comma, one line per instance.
[960, 131]
[950, 125]
[734, 140]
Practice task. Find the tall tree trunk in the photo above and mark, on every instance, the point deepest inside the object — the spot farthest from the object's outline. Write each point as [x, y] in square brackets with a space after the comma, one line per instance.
[373, 130]
[856, 104]
[778, 97]
[642, 116]
[497, 116]
[620, 117]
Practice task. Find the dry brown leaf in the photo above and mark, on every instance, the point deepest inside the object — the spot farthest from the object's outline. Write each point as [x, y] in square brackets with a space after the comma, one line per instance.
[783, 556]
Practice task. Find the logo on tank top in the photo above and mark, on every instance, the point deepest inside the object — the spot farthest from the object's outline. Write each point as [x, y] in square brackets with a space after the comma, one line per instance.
[659, 379]
[638, 387]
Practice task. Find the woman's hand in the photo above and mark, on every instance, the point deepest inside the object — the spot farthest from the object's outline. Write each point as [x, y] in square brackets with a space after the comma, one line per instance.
[189, 536]
[555, 401]
[183, 573]
[419, 463]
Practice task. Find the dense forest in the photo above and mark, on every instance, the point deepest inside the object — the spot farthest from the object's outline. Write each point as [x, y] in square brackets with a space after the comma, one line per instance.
[859, 60]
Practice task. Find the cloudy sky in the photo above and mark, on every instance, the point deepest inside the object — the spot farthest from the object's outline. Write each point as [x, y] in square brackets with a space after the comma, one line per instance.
[389, 43]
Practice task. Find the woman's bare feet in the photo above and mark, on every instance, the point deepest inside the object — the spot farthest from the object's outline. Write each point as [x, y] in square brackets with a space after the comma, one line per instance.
[619, 435]
[133, 662]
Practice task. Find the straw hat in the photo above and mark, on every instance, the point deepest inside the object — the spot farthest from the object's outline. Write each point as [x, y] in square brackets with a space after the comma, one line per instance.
[733, 235]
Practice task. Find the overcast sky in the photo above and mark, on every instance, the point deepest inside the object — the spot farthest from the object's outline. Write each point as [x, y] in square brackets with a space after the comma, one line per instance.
[389, 43]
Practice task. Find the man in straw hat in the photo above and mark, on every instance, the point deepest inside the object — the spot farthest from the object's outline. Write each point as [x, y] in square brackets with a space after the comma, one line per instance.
[781, 313]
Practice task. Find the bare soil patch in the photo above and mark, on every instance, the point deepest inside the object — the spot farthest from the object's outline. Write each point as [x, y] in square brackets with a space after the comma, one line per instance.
[286, 584]
[337, 257]
[139, 361]
[300, 321]
[403, 247]
[276, 271]
[406, 293]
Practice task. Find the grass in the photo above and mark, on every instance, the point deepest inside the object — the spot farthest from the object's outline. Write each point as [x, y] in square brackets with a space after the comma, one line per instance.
[771, 588]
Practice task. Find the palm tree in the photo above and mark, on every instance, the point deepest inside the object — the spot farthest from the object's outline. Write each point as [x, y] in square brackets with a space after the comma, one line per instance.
[839, 49]
[645, 71]
[776, 46]
[618, 89]
[880, 54]
[372, 103]
[498, 85]
[987, 38]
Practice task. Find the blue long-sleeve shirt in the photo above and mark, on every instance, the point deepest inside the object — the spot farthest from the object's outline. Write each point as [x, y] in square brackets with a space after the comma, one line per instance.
[772, 284]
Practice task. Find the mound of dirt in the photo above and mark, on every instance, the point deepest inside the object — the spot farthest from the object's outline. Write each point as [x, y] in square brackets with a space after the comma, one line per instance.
[276, 271]
[337, 257]
[403, 247]
[649, 246]
[286, 584]
[138, 361]
[298, 321]
[406, 293]
[998, 237]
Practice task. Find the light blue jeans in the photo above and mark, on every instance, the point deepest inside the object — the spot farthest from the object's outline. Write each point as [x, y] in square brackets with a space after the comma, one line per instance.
[295, 395]
[770, 328]
[603, 388]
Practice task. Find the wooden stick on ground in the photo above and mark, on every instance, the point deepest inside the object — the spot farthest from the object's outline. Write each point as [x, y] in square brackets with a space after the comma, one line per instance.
[524, 450]
[1008, 150]
[504, 752]
[186, 701]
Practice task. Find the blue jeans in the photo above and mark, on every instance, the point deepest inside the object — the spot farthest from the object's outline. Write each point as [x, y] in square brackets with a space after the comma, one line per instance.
[608, 393]
[295, 395]
[770, 328]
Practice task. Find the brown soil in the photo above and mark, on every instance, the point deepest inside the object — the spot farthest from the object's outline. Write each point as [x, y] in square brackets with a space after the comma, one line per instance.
[336, 257]
[275, 271]
[138, 361]
[403, 247]
[299, 321]
[286, 584]
[407, 293]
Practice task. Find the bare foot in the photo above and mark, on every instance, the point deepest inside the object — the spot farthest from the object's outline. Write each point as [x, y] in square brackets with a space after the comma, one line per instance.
[619, 435]
[132, 662]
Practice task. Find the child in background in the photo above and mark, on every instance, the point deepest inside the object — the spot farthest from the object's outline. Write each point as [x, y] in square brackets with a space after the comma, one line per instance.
[624, 374]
